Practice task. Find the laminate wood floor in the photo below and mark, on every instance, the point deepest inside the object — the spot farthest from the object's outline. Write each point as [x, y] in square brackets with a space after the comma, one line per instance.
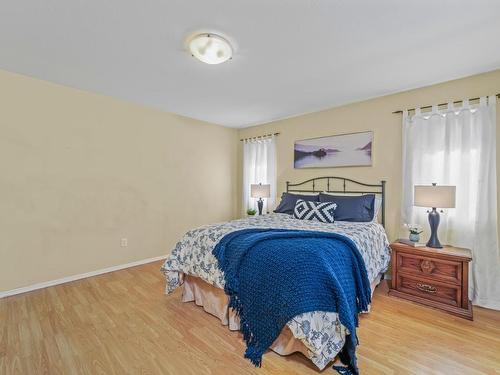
[122, 323]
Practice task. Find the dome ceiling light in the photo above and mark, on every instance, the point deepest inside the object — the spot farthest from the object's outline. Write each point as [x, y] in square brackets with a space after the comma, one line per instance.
[210, 48]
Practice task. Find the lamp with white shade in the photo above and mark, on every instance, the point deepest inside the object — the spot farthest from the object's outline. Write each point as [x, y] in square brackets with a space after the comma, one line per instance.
[260, 191]
[434, 196]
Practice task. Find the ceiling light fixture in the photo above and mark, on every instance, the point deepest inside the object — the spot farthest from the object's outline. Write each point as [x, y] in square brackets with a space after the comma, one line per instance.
[210, 48]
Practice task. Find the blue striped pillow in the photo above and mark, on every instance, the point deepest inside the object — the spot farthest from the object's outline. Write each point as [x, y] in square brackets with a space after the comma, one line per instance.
[320, 211]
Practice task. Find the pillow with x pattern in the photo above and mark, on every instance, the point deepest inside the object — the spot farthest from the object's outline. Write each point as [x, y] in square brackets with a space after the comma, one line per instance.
[320, 211]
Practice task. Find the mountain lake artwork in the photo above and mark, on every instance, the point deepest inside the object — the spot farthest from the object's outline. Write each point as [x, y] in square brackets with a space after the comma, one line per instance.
[345, 150]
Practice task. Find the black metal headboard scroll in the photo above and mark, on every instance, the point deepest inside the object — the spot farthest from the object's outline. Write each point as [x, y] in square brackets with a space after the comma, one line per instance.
[339, 185]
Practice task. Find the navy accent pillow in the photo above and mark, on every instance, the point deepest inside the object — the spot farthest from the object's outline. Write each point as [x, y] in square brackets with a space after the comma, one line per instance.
[324, 212]
[288, 201]
[351, 208]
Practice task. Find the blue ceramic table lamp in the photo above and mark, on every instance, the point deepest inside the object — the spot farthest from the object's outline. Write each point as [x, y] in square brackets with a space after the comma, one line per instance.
[260, 191]
[435, 197]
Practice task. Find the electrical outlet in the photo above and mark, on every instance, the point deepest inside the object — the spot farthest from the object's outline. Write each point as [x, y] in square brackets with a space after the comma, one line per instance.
[124, 242]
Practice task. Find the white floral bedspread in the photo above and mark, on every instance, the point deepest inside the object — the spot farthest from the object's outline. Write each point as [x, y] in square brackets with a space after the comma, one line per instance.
[321, 332]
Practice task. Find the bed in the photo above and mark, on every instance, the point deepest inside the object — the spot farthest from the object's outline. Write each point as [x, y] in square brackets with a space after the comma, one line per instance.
[318, 335]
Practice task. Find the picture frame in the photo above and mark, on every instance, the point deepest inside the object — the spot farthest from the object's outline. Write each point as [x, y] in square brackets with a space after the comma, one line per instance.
[342, 150]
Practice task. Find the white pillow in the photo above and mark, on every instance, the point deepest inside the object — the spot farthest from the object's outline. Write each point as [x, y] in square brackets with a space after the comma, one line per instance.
[376, 210]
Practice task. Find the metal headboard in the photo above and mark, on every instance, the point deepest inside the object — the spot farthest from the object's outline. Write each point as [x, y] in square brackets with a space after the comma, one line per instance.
[332, 184]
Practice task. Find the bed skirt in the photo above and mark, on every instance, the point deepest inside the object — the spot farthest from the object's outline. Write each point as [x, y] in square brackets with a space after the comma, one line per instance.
[215, 302]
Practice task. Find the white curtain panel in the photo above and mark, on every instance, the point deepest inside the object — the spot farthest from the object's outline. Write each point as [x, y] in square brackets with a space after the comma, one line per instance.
[457, 146]
[259, 166]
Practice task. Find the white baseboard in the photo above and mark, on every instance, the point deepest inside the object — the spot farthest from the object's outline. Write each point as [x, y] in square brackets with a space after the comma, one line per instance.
[67, 279]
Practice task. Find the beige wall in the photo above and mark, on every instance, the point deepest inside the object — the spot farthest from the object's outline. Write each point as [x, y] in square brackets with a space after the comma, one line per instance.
[80, 171]
[376, 115]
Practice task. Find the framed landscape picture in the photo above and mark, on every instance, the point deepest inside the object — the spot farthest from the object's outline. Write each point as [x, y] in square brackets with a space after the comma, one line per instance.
[344, 150]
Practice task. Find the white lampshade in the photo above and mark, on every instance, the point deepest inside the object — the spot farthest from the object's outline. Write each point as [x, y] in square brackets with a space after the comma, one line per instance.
[434, 196]
[210, 48]
[260, 190]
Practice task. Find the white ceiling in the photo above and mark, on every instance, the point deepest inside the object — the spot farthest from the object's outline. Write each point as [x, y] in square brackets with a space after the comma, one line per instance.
[292, 56]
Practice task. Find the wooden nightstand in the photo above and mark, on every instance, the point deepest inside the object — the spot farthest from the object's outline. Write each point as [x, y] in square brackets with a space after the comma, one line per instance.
[437, 278]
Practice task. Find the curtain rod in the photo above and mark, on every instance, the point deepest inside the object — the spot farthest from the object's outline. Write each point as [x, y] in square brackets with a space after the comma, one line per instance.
[441, 104]
[259, 136]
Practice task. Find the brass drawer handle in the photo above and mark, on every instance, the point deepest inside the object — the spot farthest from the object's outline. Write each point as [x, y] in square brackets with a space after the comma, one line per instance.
[426, 288]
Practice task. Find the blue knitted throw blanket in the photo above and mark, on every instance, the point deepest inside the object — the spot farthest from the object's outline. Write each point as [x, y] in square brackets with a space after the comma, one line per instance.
[273, 275]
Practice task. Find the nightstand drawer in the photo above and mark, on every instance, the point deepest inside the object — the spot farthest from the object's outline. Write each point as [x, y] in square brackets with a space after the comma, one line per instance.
[429, 289]
[437, 269]
[438, 278]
